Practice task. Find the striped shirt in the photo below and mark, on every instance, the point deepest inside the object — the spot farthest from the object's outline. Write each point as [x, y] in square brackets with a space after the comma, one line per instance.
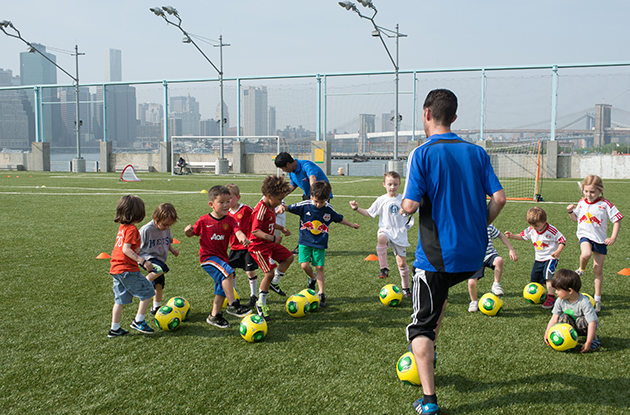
[493, 233]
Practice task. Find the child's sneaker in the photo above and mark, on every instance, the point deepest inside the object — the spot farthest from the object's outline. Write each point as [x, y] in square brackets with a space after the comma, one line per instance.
[322, 300]
[595, 344]
[579, 272]
[238, 310]
[384, 273]
[311, 284]
[406, 292]
[497, 289]
[117, 333]
[549, 302]
[142, 327]
[218, 321]
[427, 409]
[276, 288]
[598, 306]
[263, 310]
[252, 302]
[473, 307]
[155, 310]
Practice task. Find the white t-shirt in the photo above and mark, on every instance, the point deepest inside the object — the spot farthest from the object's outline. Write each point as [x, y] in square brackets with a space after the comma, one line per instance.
[390, 221]
[593, 219]
[545, 242]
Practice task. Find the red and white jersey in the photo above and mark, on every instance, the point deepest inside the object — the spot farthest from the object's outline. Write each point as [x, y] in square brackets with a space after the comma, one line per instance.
[214, 236]
[242, 216]
[593, 219]
[263, 219]
[545, 242]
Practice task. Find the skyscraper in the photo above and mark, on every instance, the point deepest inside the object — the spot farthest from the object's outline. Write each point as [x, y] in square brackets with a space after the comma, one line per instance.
[13, 117]
[186, 108]
[255, 111]
[271, 123]
[113, 65]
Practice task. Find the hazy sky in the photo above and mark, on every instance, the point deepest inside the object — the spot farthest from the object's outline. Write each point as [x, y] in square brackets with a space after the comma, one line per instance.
[277, 37]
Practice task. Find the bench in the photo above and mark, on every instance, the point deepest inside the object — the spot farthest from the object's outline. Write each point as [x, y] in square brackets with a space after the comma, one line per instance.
[135, 168]
[202, 165]
[17, 167]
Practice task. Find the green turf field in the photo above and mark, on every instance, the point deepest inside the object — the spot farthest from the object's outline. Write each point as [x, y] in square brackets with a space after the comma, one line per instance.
[57, 300]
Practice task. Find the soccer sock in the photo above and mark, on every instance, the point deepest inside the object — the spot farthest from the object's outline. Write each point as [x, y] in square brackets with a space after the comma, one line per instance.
[429, 399]
[277, 276]
[262, 297]
[597, 298]
[404, 276]
[234, 283]
[381, 252]
[139, 318]
[156, 304]
[253, 286]
[115, 326]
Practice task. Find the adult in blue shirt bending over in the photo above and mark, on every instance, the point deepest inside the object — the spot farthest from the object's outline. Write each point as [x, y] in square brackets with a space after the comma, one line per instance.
[303, 173]
[447, 182]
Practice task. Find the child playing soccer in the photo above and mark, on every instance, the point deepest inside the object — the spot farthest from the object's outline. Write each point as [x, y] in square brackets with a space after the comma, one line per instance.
[239, 255]
[316, 215]
[392, 228]
[265, 246]
[574, 308]
[592, 214]
[157, 241]
[214, 230]
[128, 281]
[493, 261]
[548, 244]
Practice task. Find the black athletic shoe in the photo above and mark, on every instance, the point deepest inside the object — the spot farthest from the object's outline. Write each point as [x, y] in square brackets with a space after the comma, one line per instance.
[218, 321]
[322, 300]
[312, 284]
[117, 333]
[276, 288]
[384, 273]
[252, 302]
[238, 310]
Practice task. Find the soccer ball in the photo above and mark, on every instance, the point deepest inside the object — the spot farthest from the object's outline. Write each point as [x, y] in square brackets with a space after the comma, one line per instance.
[591, 299]
[253, 328]
[312, 297]
[390, 295]
[534, 293]
[562, 337]
[180, 304]
[407, 370]
[297, 305]
[168, 318]
[490, 304]
[236, 297]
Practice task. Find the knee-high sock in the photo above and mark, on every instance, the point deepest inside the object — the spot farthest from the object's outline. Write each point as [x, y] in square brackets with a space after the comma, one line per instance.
[404, 276]
[381, 253]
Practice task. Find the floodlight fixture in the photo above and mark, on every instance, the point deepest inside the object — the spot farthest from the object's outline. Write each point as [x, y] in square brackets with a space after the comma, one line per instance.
[348, 5]
[170, 10]
[157, 11]
[367, 3]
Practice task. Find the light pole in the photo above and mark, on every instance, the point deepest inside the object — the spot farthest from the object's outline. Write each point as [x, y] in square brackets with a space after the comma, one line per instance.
[222, 166]
[379, 31]
[5, 24]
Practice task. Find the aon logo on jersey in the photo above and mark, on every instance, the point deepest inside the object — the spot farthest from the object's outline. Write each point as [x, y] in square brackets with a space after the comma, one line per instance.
[216, 237]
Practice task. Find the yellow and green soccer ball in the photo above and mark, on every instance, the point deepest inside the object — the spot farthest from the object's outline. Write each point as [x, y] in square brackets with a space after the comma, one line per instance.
[168, 318]
[390, 295]
[297, 305]
[590, 298]
[181, 304]
[312, 297]
[562, 337]
[490, 304]
[534, 293]
[236, 297]
[253, 328]
[407, 370]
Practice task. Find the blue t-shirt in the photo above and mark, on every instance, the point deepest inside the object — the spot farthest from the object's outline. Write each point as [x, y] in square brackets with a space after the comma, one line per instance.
[450, 178]
[314, 222]
[303, 170]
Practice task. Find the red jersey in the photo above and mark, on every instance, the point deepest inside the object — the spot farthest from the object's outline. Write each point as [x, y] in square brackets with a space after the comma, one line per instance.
[127, 234]
[243, 217]
[214, 236]
[263, 219]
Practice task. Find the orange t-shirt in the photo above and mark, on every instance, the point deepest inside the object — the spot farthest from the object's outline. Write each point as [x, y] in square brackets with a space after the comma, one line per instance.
[127, 234]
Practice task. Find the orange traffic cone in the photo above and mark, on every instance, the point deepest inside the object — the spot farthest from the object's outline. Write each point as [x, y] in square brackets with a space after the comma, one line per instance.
[103, 255]
[371, 257]
[175, 241]
[625, 271]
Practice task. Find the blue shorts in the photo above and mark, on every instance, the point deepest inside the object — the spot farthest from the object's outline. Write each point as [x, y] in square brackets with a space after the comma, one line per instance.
[159, 280]
[543, 270]
[599, 248]
[131, 284]
[488, 263]
[219, 270]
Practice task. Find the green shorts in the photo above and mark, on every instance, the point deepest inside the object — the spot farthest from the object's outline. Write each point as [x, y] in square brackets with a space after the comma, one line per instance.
[316, 256]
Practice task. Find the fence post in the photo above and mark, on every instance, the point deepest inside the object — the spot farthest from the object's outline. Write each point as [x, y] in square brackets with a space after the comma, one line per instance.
[554, 101]
[483, 103]
[318, 127]
[165, 84]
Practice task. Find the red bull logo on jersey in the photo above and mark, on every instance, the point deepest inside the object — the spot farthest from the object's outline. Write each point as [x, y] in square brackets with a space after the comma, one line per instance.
[540, 245]
[590, 219]
[316, 227]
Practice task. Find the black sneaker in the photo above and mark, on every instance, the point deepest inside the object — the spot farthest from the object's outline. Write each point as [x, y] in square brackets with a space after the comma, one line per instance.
[311, 284]
[406, 292]
[117, 333]
[384, 273]
[218, 321]
[142, 327]
[322, 300]
[155, 310]
[276, 288]
[238, 310]
[252, 302]
[296, 250]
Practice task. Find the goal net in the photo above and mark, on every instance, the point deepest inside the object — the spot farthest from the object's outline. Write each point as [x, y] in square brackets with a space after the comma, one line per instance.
[199, 154]
[128, 174]
[518, 167]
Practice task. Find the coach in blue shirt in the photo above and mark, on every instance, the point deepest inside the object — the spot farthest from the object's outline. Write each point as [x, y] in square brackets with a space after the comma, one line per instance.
[303, 173]
[448, 180]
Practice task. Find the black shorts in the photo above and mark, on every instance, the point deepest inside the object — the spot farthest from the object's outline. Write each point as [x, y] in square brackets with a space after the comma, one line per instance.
[430, 291]
[489, 263]
[159, 280]
[242, 259]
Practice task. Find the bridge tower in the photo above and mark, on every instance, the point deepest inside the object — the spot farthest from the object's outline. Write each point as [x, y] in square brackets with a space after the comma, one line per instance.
[602, 124]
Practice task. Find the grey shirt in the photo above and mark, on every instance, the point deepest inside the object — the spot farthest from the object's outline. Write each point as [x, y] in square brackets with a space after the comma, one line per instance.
[155, 243]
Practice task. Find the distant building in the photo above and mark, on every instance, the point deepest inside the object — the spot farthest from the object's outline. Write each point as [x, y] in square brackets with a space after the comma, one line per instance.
[67, 97]
[150, 113]
[186, 108]
[271, 123]
[387, 121]
[13, 117]
[113, 65]
[255, 111]
[209, 127]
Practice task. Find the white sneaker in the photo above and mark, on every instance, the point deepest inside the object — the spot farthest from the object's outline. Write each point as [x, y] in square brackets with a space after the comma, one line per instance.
[579, 272]
[598, 306]
[497, 289]
[473, 307]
